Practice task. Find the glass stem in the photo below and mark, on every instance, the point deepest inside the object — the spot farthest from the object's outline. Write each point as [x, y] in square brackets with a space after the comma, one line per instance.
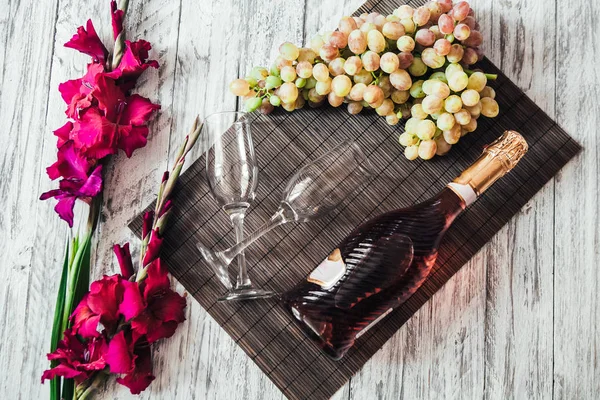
[243, 280]
[279, 218]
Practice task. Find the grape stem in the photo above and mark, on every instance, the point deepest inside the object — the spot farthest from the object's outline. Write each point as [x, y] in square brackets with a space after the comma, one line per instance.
[490, 77]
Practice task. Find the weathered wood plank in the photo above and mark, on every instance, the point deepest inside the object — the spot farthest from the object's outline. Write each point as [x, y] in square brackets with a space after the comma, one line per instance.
[577, 209]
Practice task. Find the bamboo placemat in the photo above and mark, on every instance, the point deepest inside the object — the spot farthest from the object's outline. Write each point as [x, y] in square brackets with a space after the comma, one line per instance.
[285, 141]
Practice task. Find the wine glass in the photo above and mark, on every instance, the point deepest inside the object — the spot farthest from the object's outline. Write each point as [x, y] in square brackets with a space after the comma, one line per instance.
[315, 190]
[232, 171]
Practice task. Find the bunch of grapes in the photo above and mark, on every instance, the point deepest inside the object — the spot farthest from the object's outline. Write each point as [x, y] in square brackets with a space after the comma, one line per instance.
[412, 64]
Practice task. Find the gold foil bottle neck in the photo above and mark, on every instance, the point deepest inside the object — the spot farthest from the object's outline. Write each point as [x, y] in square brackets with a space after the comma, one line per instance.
[498, 158]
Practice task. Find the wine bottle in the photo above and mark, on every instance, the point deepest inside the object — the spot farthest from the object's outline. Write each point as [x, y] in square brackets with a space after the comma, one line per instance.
[379, 265]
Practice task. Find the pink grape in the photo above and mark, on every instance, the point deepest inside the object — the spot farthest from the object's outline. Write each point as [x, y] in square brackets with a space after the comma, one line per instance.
[266, 107]
[421, 16]
[329, 52]
[376, 41]
[354, 107]
[289, 51]
[334, 100]
[281, 62]
[446, 5]
[338, 39]
[404, 11]
[239, 87]
[389, 62]
[386, 108]
[357, 92]
[456, 53]
[436, 31]
[323, 88]
[347, 25]
[379, 21]
[359, 21]
[432, 104]
[409, 25]
[471, 12]
[370, 61]
[385, 85]
[307, 55]
[462, 31]
[304, 69]
[336, 67]
[432, 59]
[288, 92]
[442, 47]
[405, 59]
[373, 94]
[341, 85]
[461, 10]
[357, 42]
[363, 76]
[446, 24]
[470, 22]
[288, 74]
[480, 53]
[393, 30]
[314, 96]
[400, 80]
[367, 27]
[425, 37]
[474, 40]
[321, 72]
[470, 56]
[353, 65]
[406, 43]
[435, 9]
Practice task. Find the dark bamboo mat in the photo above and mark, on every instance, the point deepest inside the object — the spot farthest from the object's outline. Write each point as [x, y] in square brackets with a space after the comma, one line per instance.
[285, 141]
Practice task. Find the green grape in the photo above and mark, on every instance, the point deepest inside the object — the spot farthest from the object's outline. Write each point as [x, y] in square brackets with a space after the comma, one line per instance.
[408, 139]
[452, 68]
[392, 30]
[386, 108]
[439, 89]
[416, 90]
[289, 107]
[370, 60]
[458, 81]
[392, 119]
[323, 88]
[411, 125]
[315, 97]
[406, 44]
[275, 100]
[452, 135]
[353, 65]
[289, 51]
[411, 152]
[409, 25]
[274, 70]
[288, 74]
[401, 80]
[427, 149]
[440, 76]
[334, 100]
[432, 59]
[357, 92]
[426, 129]
[310, 83]
[300, 83]
[239, 87]
[432, 104]
[456, 53]
[404, 111]
[488, 92]
[363, 76]
[445, 121]
[475, 110]
[470, 97]
[307, 55]
[417, 112]
[389, 62]
[489, 107]
[252, 104]
[418, 67]
[315, 44]
[259, 73]
[463, 117]
[404, 11]
[436, 115]
[400, 96]
[453, 104]
[373, 94]
[442, 147]
[272, 82]
[386, 85]
[368, 27]
[252, 82]
[375, 41]
[288, 92]
[341, 85]
[477, 81]
[421, 15]
[304, 69]
[321, 72]
[354, 107]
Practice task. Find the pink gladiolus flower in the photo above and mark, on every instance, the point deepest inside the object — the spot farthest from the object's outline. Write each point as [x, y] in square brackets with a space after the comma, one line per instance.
[88, 42]
[164, 307]
[63, 133]
[70, 164]
[134, 63]
[117, 19]
[147, 224]
[77, 360]
[77, 92]
[153, 248]
[129, 354]
[109, 299]
[124, 259]
[71, 189]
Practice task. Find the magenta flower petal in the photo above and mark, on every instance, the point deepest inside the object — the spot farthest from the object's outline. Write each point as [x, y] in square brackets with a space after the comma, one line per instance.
[132, 304]
[70, 163]
[141, 376]
[124, 259]
[138, 111]
[85, 322]
[134, 62]
[94, 134]
[63, 133]
[110, 98]
[153, 249]
[69, 89]
[117, 19]
[88, 42]
[64, 208]
[132, 138]
[119, 356]
[93, 185]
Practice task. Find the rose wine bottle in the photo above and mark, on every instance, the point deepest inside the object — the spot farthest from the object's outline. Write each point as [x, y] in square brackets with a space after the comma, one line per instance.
[379, 265]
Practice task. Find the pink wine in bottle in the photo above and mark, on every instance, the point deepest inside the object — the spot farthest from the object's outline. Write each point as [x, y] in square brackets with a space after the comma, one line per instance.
[379, 265]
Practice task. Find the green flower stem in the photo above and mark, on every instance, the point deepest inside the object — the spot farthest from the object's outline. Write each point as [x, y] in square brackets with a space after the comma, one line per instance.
[91, 388]
[165, 192]
[120, 41]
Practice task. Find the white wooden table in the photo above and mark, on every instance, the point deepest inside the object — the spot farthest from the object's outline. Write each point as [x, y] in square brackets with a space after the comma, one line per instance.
[519, 321]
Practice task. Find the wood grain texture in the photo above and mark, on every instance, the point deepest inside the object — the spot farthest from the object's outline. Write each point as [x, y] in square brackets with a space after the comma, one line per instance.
[487, 332]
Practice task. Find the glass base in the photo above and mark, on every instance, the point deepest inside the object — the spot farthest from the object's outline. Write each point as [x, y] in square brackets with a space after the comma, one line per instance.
[247, 293]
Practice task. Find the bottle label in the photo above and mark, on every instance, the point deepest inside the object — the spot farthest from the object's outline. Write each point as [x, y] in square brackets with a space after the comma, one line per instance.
[329, 271]
[466, 192]
[372, 324]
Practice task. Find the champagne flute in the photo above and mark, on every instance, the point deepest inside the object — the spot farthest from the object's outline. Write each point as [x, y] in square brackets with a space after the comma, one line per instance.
[314, 191]
[232, 171]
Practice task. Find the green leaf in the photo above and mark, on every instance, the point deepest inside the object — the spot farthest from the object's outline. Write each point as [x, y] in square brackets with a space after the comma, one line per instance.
[57, 323]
